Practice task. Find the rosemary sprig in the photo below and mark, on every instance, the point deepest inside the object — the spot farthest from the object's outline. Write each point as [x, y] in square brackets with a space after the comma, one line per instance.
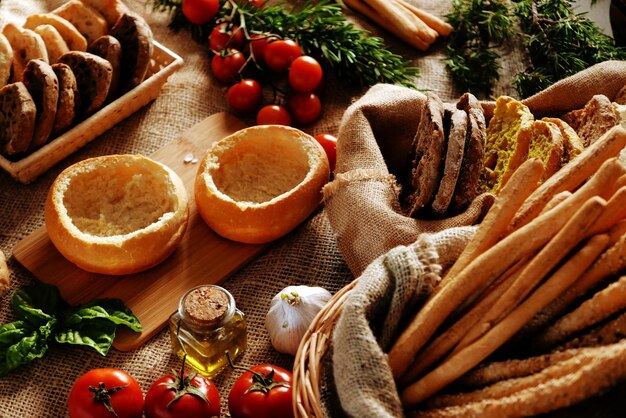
[322, 32]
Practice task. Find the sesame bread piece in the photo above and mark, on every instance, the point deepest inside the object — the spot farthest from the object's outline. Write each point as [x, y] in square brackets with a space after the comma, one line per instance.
[68, 95]
[507, 144]
[43, 86]
[547, 144]
[428, 148]
[469, 176]
[73, 38]
[55, 45]
[458, 121]
[111, 10]
[17, 118]
[93, 78]
[136, 37]
[27, 45]
[572, 143]
[6, 60]
[594, 120]
[89, 22]
[110, 49]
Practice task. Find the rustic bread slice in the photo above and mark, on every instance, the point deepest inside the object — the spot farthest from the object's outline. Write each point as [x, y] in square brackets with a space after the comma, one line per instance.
[6, 60]
[73, 38]
[89, 22]
[43, 86]
[111, 10]
[547, 144]
[68, 95]
[93, 78]
[136, 38]
[594, 120]
[620, 97]
[469, 176]
[17, 118]
[572, 143]
[55, 45]
[458, 121]
[27, 45]
[110, 49]
[507, 143]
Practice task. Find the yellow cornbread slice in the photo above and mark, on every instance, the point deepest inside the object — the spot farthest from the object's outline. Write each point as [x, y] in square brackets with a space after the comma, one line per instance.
[547, 145]
[507, 144]
[572, 144]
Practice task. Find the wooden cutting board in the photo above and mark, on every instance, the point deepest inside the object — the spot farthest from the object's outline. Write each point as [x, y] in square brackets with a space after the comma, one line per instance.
[202, 258]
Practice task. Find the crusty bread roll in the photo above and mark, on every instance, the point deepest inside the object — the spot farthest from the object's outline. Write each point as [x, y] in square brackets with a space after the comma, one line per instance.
[259, 183]
[117, 214]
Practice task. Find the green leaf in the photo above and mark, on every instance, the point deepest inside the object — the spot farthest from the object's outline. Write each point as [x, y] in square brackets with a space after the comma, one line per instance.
[112, 310]
[95, 333]
[37, 304]
[27, 345]
[12, 332]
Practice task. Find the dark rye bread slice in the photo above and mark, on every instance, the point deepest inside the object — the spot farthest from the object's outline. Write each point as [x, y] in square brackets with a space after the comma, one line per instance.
[458, 121]
[43, 86]
[110, 49]
[17, 118]
[68, 94]
[594, 120]
[93, 78]
[136, 38]
[469, 176]
[429, 147]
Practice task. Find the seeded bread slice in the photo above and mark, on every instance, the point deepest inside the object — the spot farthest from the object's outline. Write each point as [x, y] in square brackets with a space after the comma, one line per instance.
[27, 45]
[43, 86]
[136, 38]
[72, 37]
[17, 118]
[93, 78]
[87, 20]
[111, 10]
[6, 60]
[110, 49]
[547, 144]
[572, 143]
[55, 45]
[68, 94]
[594, 120]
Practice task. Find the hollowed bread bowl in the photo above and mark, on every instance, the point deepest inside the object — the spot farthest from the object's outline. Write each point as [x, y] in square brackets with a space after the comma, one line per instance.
[118, 214]
[259, 183]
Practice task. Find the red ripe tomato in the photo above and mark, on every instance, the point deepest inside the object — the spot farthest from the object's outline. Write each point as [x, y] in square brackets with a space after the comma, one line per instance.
[280, 54]
[254, 3]
[223, 37]
[258, 45]
[266, 393]
[304, 108]
[329, 143]
[273, 115]
[245, 96]
[200, 12]
[226, 68]
[305, 74]
[192, 396]
[100, 391]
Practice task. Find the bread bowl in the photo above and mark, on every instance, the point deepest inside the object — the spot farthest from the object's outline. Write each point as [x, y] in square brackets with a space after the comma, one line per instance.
[259, 183]
[117, 214]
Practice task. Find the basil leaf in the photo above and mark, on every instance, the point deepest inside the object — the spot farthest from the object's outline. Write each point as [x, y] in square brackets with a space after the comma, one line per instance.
[95, 333]
[37, 304]
[112, 310]
[12, 332]
[31, 344]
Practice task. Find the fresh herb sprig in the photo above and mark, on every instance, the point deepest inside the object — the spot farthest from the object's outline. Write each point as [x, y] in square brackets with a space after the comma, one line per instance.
[321, 30]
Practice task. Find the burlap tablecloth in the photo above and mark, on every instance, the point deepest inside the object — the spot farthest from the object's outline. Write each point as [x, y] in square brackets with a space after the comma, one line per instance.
[309, 255]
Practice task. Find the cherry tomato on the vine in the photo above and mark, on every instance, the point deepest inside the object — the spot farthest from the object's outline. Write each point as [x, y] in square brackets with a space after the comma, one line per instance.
[305, 74]
[100, 391]
[226, 68]
[266, 394]
[273, 115]
[258, 45]
[280, 54]
[254, 3]
[223, 37]
[304, 108]
[200, 12]
[245, 96]
[198, 398]
[329, 143]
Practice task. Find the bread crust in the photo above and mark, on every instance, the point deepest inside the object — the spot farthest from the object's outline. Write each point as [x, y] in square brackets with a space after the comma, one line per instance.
[43, 86]
[55, 44]
[68, 92]
[111, 10]
[73, 38]
[89, 22]
[136, 37]
[110, 49]
[93, 77]
[17, 118]
[594, 120]
[27, 45]
[6, 60]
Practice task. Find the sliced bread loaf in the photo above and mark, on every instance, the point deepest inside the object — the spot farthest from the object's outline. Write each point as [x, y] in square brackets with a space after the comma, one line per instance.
[89, 22]
[93, 78]
[27, 45]
[17, 118]
[547, 144]
[73, 38]
[594, 120]
[43, 86]
[68, 95]
[136, 37]
[572, 143]
[110, 49]
[55, 44]
[6, 60]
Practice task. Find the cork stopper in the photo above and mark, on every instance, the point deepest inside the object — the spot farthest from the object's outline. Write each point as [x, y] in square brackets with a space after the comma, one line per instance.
[206, 305]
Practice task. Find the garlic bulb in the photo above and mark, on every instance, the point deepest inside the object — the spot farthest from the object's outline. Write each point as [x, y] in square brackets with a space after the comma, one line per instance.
[291, 312]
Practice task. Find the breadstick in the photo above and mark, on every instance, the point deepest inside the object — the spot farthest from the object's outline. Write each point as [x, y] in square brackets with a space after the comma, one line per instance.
[573, 174]
[603, 304]
[558, 198]
[461, 362]
[5, 277]
[609, 333]
[399, 15]
[614, 213]
[442, 28]
[616, 232]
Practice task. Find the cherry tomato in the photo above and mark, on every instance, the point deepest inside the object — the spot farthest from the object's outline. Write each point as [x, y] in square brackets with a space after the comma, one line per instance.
[304, 108]
[280, 54]
[264, 395]
[329, 143]
[199, 397]
[257, 4]
[258, 45]
[273, 115]
[226, 68]
[305, 74]
[223, 37]
[100, 389]
[245, 96]
[200, 12]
